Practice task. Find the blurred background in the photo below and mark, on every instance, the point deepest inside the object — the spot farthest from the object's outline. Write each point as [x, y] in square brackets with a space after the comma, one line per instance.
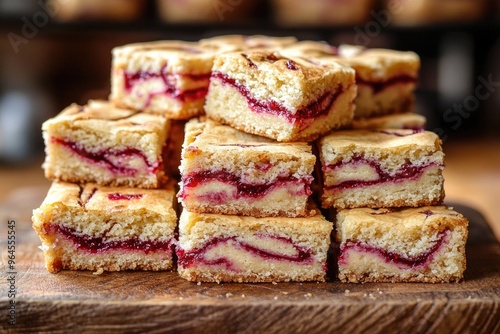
[56, 52]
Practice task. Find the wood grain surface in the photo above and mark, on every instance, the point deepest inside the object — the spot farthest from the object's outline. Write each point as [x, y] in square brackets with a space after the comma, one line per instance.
[138, 302]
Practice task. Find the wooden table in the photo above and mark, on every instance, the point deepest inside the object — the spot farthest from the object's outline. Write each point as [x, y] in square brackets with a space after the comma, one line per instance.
[135, 302]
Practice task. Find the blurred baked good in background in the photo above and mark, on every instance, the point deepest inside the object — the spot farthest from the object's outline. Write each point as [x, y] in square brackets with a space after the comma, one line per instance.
[322, 12]
[206, 11]
[92, 10]
[417, 12]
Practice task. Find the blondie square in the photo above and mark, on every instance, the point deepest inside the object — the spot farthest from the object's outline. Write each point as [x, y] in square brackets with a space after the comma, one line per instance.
[226, 248]
[424, 244]
[381, 168]
[227, 171]
[101, 144]
[87, 227]
[386, 79]
[163, 77]
[286, 99]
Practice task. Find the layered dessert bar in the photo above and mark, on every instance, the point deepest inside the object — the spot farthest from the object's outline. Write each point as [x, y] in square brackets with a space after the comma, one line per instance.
[286, 99]
[227, 171]
[226, 248]
[163, 77]
[87, 227]
[424, 244]
[386, 79]
[244, 43]
[394, 121]
[381, 168]
[101, 144]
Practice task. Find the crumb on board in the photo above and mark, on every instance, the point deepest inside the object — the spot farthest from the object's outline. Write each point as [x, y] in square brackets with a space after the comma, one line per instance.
[199, 283]
[98, 271]
[243, 296]
[372, 296]
[347, 292]
[308, 295]
[275, 297]
[229, 294]
[274, 283]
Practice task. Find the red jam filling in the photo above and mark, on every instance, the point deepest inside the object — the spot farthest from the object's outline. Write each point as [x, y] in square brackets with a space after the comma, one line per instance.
[124, 197]
[428, 213]
[291, 65]
[247, 190]
[97, 245]
[170, 81]
[108, 157]
[315, 109]
[392, 257]
[378, 86]
[407, 171]
[196, 256]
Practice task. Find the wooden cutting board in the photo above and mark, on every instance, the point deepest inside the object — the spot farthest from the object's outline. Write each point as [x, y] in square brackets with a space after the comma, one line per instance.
[136, 302]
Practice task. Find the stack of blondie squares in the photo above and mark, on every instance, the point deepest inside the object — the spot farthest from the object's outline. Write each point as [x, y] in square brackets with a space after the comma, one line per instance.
[280, 145]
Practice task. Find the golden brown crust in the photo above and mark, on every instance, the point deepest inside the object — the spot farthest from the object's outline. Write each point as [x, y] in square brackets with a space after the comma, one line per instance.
[395, 121]
[369, 64]
[432, 218]
[174, 56]
[393, 139]
[243, 43]
[103, 116]
[184, 111]
[70, 195]
[207, 134]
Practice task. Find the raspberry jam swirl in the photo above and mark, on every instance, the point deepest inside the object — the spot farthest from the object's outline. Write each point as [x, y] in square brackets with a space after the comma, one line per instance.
[399, 260]
[407, 171]
[111, 159]
[321, 106]
[101, 244]
[197, 256]
[243, 189]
